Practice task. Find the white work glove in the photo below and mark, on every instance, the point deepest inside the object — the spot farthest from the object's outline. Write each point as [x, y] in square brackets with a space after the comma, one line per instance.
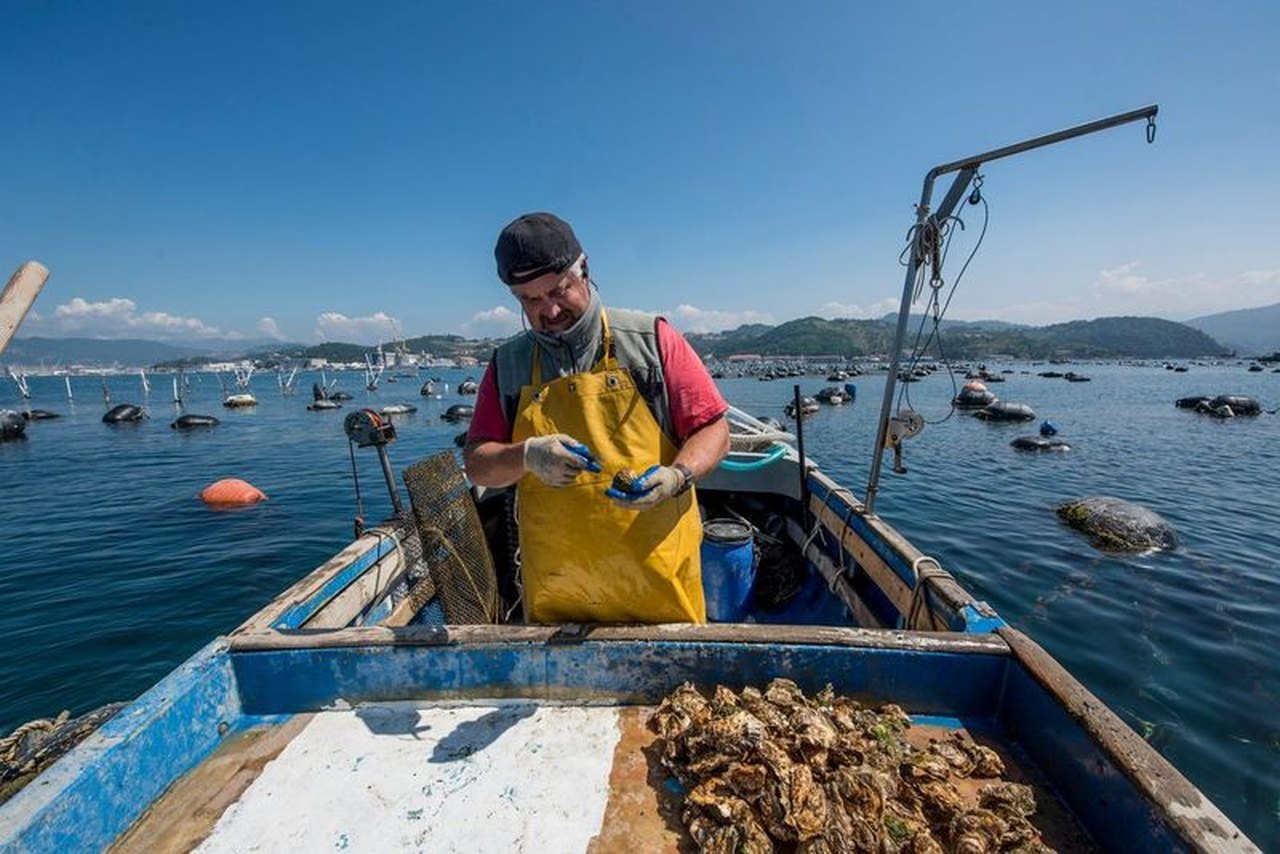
[657, 484]
[557, 459]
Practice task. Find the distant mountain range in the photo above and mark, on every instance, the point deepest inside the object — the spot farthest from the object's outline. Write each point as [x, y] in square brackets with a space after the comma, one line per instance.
[1250, 331]
[125, 352]
[1106, 337]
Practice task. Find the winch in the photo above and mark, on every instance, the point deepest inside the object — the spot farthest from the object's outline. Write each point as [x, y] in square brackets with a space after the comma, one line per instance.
[365, 428]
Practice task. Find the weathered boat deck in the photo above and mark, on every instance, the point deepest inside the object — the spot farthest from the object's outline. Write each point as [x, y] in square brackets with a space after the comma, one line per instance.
[502, 776]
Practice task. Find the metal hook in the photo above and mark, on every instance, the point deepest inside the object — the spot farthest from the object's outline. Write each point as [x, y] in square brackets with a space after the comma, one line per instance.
[976, 196]
[1151, 129]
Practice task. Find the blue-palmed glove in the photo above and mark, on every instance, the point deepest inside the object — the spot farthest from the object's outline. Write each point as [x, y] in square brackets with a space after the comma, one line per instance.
[655, 485]
[557, 460]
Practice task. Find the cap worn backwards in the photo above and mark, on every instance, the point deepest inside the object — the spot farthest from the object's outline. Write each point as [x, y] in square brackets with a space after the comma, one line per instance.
[533, 245]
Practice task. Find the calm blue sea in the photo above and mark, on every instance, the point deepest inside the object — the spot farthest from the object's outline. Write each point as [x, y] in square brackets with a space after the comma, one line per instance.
[113, 572]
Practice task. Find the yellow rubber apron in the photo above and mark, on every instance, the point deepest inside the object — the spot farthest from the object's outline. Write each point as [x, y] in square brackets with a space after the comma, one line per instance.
[583, 557]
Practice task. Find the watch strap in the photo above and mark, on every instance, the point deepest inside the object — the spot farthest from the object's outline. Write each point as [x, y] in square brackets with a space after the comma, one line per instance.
[688, 477]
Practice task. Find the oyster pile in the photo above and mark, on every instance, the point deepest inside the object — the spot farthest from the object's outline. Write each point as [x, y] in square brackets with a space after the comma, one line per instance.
[774, 770]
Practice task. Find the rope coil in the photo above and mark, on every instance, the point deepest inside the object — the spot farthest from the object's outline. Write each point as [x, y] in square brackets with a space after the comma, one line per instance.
[9, 744]
[919, 604]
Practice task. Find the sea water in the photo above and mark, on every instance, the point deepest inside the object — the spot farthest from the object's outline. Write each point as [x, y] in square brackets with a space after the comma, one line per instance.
[113, 572]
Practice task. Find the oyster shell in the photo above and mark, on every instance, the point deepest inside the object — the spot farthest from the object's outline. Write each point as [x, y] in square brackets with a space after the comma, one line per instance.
[1008, 799]
[989, 763]
[977, 831]
[940, 801]
[807, 804]
[784, 693]
[624, 480]
[753, 701]
[961, 760]
[813, 733]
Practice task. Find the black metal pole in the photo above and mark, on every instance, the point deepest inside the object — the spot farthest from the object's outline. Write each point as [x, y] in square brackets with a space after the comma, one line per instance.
[804, 467]
[390, 476]
[1047, 139]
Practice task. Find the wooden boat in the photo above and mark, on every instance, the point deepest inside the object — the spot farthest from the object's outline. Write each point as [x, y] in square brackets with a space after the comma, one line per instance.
[348, 710]
[361, 709]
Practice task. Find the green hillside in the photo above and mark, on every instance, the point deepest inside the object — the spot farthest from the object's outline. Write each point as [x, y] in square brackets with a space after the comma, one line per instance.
[1107, 337]
[1133, 337]
[444, 345]
[806, 336]
[333, 351]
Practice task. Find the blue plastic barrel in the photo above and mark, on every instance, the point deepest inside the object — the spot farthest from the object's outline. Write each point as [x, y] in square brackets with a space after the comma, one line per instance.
[852, 390]
[728, 569]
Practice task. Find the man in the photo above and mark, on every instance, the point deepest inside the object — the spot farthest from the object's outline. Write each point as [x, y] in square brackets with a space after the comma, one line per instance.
[581, 395]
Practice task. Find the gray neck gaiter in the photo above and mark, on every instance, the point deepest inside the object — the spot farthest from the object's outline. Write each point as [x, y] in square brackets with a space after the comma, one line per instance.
[575, 350]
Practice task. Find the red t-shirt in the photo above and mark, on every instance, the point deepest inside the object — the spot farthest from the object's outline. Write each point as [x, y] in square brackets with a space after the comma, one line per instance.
[692, 395]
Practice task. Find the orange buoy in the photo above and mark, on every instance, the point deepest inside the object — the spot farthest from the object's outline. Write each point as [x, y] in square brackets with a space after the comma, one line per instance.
[231, 492]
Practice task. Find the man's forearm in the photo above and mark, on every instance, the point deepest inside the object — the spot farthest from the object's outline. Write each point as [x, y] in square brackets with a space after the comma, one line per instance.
[703, 449]
[494, 464]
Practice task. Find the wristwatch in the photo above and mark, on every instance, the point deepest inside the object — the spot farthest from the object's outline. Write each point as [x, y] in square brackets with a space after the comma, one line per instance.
[688, 477]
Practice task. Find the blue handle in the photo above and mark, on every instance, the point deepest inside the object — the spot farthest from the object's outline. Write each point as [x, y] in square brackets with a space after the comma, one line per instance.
[755, 465]
[581, 450]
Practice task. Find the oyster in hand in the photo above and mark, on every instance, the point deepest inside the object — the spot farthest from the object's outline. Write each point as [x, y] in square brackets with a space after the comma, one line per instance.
[624, 480]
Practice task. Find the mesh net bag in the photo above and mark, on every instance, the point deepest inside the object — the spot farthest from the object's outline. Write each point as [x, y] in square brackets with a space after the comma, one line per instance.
[454, 551]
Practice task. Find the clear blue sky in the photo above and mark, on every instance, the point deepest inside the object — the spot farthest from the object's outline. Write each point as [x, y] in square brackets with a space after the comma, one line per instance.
[307, 170]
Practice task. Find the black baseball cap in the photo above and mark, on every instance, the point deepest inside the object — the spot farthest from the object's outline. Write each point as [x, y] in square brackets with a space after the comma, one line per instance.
[533, 245]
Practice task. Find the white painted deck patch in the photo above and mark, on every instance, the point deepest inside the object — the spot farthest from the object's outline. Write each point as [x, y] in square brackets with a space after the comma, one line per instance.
[397, 777]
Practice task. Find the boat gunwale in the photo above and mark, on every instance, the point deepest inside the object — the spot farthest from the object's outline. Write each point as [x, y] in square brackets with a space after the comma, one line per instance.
[381, 541]
[244, 640]
[944, 589]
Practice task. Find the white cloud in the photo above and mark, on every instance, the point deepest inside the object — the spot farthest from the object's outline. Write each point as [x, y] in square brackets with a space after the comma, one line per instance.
[117, 317]
[871, 311]
[268, 327]
[1124, 290]
[1261, 278]
[1124, 280]
[497, 322]
[690, 318]
[334, 326]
